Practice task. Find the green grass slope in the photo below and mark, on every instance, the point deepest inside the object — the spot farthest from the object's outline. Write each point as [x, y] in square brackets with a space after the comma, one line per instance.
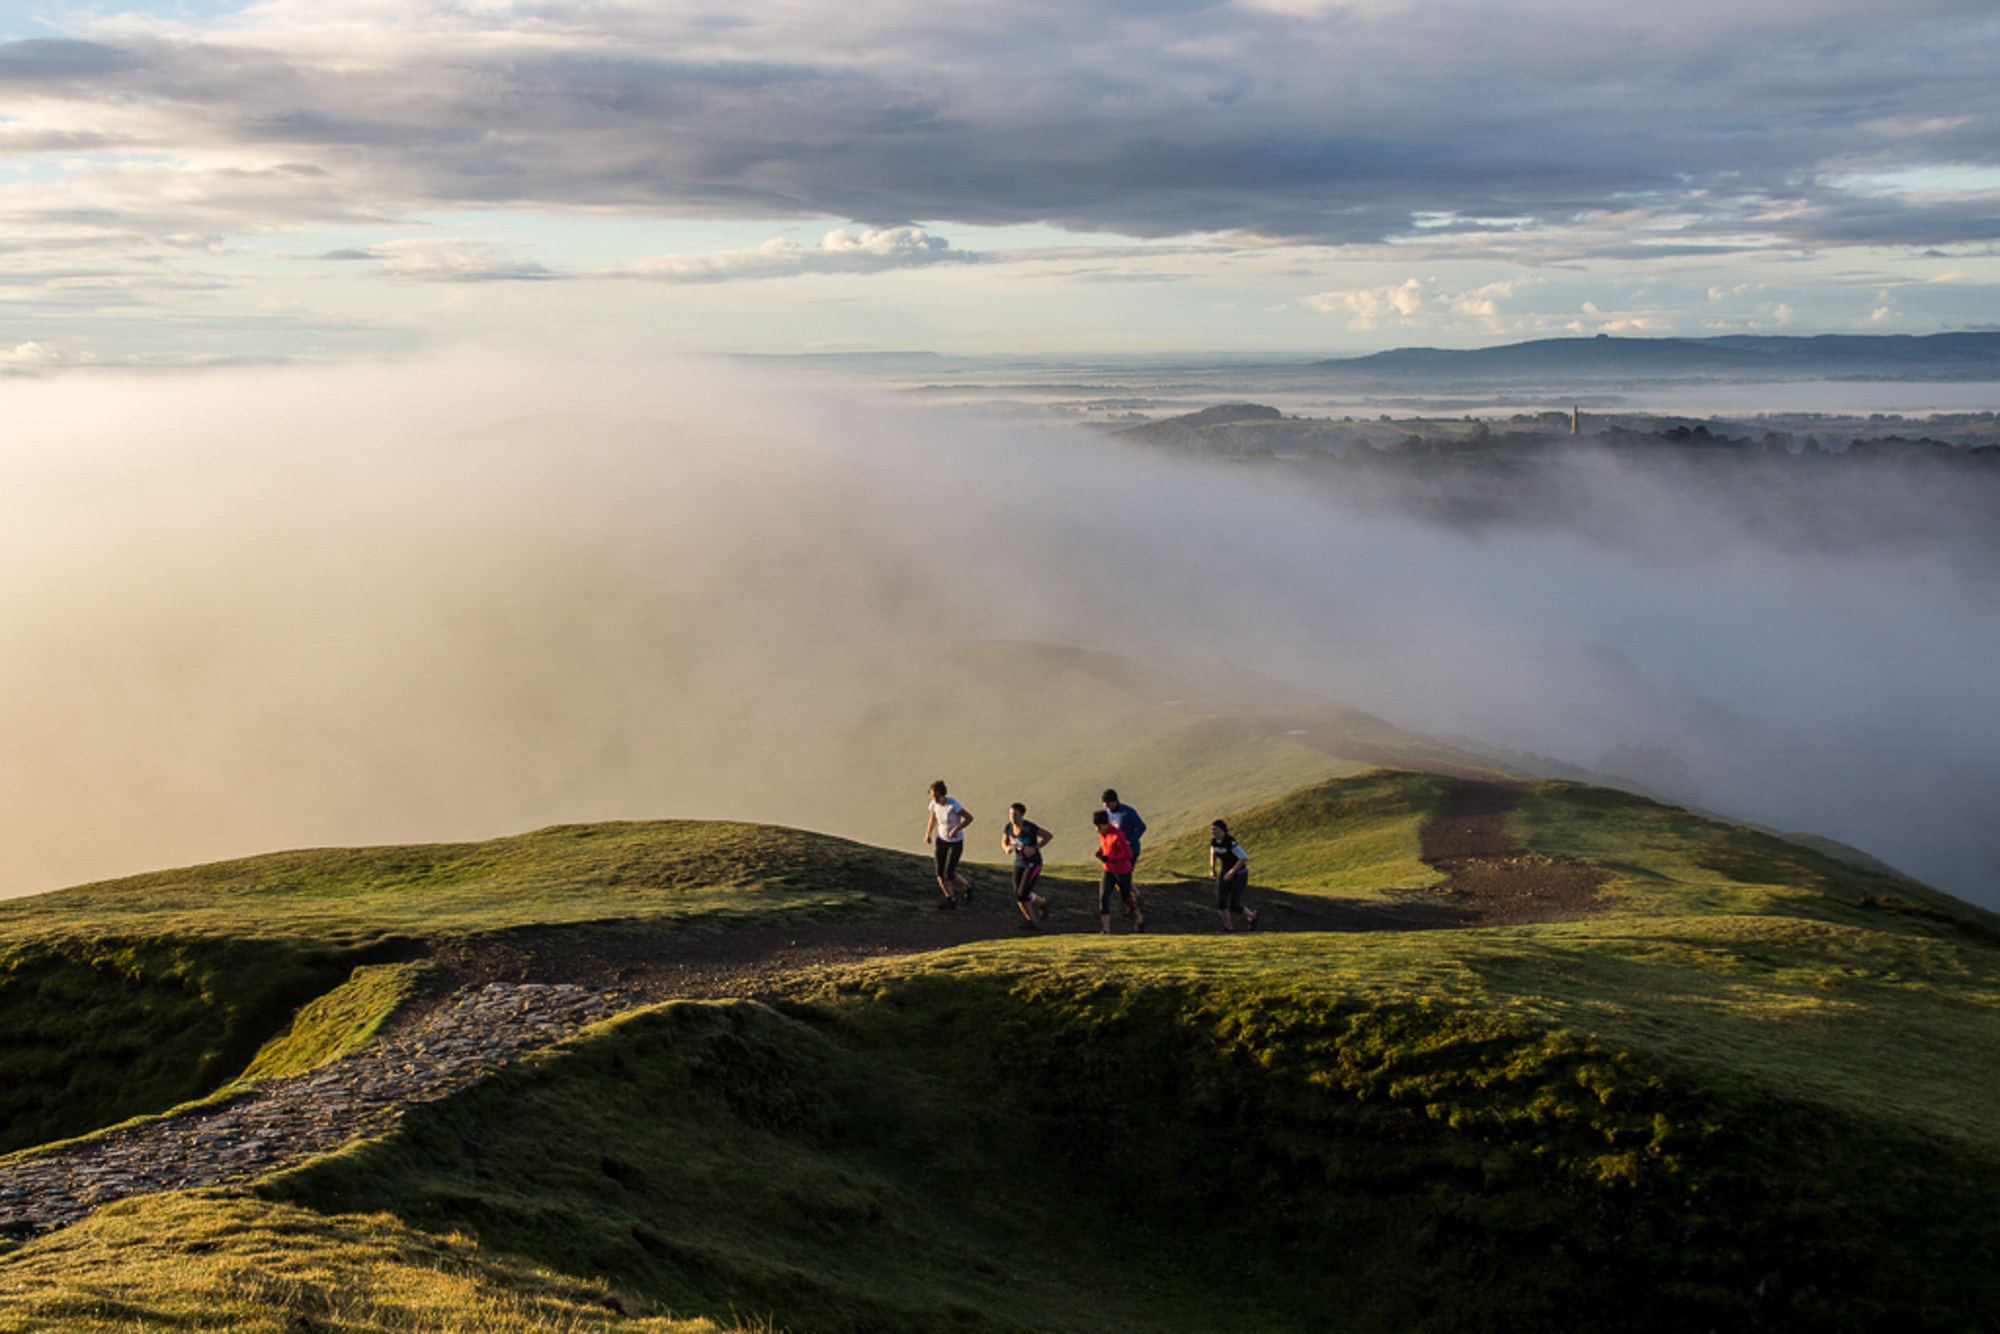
[1752, 1093]
[124, 998]
[1359, 834]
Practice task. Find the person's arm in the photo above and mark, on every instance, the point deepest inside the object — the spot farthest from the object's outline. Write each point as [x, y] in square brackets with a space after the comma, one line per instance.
[1042, 837]
[930, 823]
[1212, 855]
[1138, 829]
[1242, 865]
[964, 820]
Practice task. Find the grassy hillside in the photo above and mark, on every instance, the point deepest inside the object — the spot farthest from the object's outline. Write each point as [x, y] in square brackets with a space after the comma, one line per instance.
[124, 998]
[1751, 1092]
[1359, 834]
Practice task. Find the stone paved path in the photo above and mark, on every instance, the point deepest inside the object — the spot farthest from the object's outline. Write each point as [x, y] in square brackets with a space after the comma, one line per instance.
[286, 1121]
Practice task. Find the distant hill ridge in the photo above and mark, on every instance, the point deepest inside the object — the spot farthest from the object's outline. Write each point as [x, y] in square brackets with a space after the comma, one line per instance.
[1945, 356]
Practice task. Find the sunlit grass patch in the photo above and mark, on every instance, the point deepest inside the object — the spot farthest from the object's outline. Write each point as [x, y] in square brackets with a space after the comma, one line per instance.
[342, 1021]
[1350, 834]
[216, 1261]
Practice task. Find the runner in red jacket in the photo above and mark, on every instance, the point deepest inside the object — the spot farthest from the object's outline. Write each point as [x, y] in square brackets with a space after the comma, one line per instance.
[1116, 854]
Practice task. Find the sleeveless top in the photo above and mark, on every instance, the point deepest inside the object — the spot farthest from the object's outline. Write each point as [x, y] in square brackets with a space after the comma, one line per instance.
[1027, 840]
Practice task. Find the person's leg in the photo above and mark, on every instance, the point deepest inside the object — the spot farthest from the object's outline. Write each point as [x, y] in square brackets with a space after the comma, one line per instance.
[1133, 904]
[948, 870]
[940, 852]
[1239, 884]
[1106, 882]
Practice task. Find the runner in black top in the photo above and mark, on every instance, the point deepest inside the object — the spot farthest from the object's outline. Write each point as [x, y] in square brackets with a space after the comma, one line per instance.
[1026, 839]
[1230, 866]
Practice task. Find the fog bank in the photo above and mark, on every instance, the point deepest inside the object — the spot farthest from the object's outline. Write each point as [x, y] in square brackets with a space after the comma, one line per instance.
[250, 610]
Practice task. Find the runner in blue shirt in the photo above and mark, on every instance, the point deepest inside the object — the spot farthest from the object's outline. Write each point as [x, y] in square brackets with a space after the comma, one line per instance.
[1126, 819]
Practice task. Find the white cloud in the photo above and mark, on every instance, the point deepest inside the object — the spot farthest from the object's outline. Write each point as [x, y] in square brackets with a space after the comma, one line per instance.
[1408, 304]
[428, 261]
[28, 355]
[1372, 307]
[875, 250]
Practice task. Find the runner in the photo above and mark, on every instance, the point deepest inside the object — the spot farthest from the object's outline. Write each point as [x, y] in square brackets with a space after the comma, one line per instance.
[1026, 839]
[1115, 851]
[945, 832]
[1126, 819]
[1230, 866]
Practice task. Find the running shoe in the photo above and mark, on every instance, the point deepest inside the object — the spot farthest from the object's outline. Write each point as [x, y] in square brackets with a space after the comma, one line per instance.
[1139, 923]
[946, 905]
[1041, 910]
[1250, 918]
[1027, 926]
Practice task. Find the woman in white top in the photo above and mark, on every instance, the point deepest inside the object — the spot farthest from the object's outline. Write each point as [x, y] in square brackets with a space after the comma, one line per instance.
[945, 832]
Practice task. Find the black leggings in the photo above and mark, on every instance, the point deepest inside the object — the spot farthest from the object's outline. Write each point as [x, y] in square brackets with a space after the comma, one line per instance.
[1120, 881]
[1024, 880]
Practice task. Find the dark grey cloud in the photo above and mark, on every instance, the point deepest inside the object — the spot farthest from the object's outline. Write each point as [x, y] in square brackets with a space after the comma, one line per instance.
[42, 58]
[1293, 121]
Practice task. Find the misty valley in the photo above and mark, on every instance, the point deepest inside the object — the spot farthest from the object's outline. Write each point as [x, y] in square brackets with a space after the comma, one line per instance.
[491, 805]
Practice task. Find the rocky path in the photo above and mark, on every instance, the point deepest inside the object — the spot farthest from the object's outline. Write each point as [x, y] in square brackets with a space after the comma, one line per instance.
[285, 1121]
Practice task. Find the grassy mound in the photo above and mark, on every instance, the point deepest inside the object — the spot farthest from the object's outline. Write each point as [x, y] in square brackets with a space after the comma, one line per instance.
[339, 1022]
[125, 998]
[1352, 834]
[245, 1265]
[1752, 1093]
[663, 871]
[1454, 1131]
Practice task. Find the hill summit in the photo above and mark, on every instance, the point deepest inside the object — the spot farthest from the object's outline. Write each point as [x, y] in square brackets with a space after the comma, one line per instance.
[1500, 1054]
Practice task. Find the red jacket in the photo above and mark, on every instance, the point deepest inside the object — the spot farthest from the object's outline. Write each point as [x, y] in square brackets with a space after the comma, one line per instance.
[1116, 848]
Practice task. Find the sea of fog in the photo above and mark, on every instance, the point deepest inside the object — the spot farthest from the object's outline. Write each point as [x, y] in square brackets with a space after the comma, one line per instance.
[255, 609]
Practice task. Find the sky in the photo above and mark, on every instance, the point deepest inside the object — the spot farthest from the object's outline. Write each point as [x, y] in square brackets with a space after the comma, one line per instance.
[373, 539]
[188, 182]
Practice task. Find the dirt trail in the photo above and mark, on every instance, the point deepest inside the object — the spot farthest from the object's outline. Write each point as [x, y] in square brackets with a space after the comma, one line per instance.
[1493, 881]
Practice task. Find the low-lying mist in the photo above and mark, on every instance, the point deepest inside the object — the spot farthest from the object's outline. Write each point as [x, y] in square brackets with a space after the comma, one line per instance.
[255, 609]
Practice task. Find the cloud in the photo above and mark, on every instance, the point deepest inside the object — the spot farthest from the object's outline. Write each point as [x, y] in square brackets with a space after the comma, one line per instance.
[32, 356]
[1408, 304]
[876, 250]
[1291, 120]
[429, 261]
[1372, 307]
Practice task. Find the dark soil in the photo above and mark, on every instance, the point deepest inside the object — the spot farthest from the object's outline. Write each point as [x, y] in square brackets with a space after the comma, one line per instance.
[1490, 882]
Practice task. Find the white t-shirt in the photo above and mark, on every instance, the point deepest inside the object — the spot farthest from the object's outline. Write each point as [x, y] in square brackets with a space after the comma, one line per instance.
[950, 819]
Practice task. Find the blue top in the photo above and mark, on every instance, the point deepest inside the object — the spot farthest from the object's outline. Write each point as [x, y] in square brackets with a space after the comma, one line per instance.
[1129, 824]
